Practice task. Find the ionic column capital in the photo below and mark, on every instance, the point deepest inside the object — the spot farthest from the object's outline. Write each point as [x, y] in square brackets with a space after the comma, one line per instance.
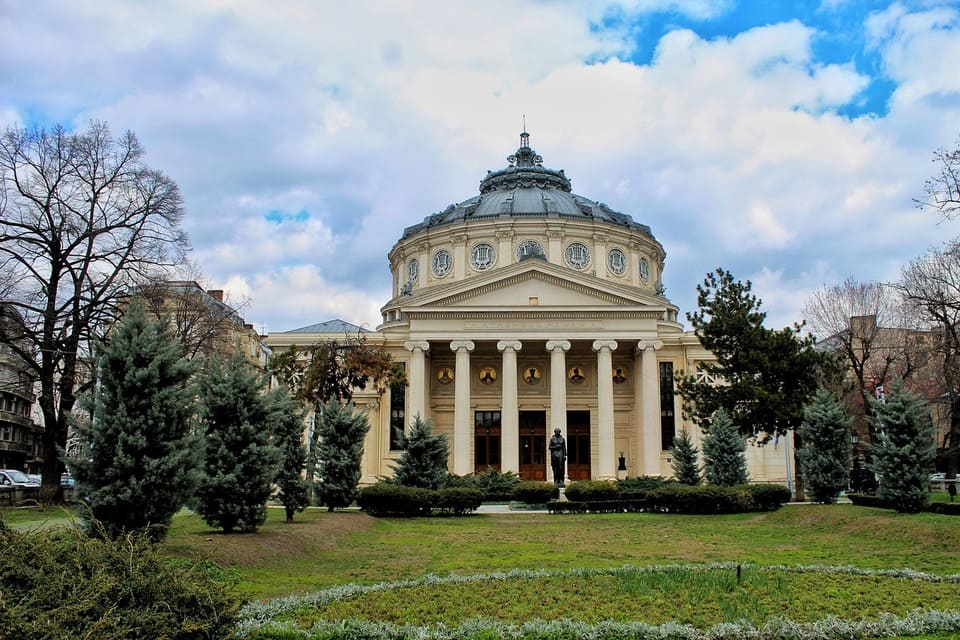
[457, 345]
[599, 345]
[413, 345]
[563, 345]
[515, 345]
[654, 345]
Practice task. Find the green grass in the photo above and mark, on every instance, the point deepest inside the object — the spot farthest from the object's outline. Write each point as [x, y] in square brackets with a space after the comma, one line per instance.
[321, 550]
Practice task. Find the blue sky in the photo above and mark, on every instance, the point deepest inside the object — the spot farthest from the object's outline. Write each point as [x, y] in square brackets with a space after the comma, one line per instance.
[784, 141]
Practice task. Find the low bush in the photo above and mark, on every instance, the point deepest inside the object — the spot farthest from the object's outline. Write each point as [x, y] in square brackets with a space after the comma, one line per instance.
[535, 492]
[60, 583]
[388, 499]
[458, 501]
[680, 498]
[591, 491]
[642, 484]
[767, 497]
[943, 508]
[496, 486]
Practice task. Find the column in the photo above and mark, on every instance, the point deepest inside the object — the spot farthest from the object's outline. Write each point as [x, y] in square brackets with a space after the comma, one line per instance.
[650, 404]
[418, 378]
[558, 392]
[605, 438]
[509, 407]
[462, 424]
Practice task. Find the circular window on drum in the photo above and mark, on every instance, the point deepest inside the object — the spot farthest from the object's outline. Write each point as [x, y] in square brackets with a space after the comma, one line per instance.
[482, 257]
[578, 255]
[529, 249]
[442, 263]
[617, 261]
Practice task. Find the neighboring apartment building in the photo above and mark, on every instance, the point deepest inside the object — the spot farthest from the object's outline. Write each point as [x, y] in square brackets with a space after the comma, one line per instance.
[889, 356]
[207, 325]
[19, 432]
[527, 308]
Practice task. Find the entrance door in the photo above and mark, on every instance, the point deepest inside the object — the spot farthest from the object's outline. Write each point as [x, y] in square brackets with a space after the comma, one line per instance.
[486, 430]
[578, 445]
[533, 445]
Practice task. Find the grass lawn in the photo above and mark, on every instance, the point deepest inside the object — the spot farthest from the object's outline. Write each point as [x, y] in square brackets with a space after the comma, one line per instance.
[322, 550]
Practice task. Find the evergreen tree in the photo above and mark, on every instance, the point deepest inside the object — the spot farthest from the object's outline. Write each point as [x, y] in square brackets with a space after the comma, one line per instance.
[241, 462]
[686, 468]
[905, 451]
[825, 456]
[767, 375]
[292, 489]
[723, 452]
[424, 460]
[139, 463]
[342, 429]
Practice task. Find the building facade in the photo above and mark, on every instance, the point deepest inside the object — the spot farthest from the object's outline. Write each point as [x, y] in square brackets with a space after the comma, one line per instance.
[20, 433]
[527, 308]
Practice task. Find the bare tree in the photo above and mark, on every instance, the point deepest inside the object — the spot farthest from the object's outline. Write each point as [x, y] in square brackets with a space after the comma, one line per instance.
[932, 285]
[83, 220]
[867, 325]
[943, 189]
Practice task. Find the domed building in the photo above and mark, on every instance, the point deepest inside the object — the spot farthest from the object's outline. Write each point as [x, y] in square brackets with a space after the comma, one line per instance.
[524, 309]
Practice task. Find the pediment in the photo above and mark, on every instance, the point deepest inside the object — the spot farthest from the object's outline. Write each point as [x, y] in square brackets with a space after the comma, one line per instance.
[537, 284]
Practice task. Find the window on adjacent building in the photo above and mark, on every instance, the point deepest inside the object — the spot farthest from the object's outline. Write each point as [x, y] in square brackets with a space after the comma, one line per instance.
[668, 423]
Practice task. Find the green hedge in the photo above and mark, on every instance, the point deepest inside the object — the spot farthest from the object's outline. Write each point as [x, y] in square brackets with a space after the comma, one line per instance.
[671, 497]
[536, 492]
[591, 491]
[388, 499]
[458, 501]
[495, 486]
[60, 583]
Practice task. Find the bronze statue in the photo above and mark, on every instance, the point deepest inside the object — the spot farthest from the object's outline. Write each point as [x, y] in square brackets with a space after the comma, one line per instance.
[558, 456]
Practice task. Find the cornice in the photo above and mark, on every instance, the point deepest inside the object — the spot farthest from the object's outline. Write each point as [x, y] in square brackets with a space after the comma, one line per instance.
[517, 314]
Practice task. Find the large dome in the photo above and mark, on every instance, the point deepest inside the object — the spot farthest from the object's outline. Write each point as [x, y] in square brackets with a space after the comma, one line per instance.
[525, 188]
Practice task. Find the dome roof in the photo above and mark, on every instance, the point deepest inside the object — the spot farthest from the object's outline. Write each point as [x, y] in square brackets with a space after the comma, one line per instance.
[525, 188]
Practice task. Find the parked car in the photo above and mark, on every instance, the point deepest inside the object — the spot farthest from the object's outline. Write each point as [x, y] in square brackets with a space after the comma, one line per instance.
[15, 478]
[67, 480]
[937, 477]
[35, 478]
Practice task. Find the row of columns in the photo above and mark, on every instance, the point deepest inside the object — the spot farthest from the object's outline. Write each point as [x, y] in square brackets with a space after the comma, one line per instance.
[646, 388]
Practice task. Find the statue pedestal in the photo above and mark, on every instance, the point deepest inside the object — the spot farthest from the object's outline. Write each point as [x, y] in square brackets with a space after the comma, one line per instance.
[562, 497]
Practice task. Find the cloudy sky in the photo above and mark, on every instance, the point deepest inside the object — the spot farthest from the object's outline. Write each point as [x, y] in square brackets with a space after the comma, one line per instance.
[782, 140]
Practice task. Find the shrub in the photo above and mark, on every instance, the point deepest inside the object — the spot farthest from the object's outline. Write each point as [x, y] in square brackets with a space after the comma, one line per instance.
[640, 487]
[497, 486]
[681, 498]
[766, 497]
[536, 492]
[388, 499]
[458, 501]
[591, 491]
[423, 462]
[59, 583]
[825, 456]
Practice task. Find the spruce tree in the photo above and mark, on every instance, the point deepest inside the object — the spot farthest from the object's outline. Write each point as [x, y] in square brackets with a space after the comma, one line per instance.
[241, 462]
[140, 457]
[342, 429]
[424, 460]
[825, 456]
[686, 469]
[723, 452]
[292, 489]
[905, 450]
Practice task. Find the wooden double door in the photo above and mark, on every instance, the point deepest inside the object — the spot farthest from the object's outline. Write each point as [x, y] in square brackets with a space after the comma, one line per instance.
[533, 445]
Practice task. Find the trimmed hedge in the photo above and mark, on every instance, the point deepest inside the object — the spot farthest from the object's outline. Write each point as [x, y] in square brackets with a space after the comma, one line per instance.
[536, 492]
[591, 491]
[671, 497]
[388, 499]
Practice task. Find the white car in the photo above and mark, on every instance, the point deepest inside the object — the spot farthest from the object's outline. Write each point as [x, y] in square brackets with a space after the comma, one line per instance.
[936, 477]
[14, 478]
